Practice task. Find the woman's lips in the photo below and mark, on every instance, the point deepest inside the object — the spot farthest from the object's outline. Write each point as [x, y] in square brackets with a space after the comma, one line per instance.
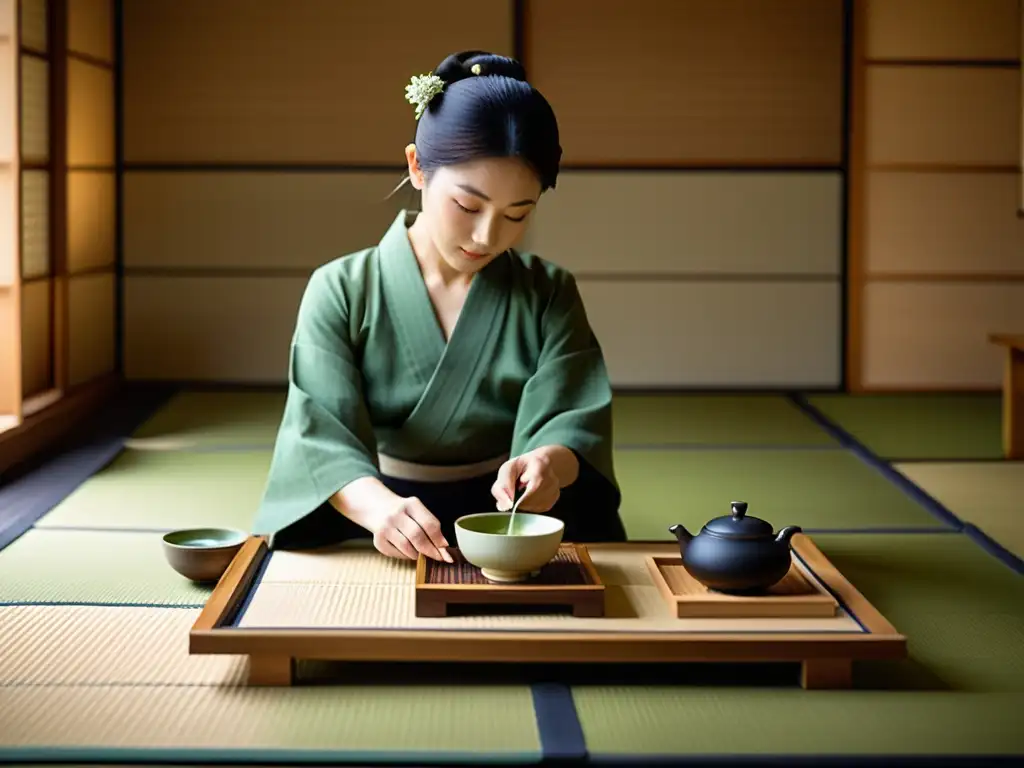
[472, 255]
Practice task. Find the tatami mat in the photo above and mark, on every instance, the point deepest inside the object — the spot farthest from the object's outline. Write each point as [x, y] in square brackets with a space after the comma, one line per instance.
[114, 679]
[813, 489]
[166, 490]
[963, 613]
[107, 645]
[355, 722]
[919, 425]
[207, 419]
[108, 567]
[652, 720]
[988, 494]
[196, 419]
[961, 609]
[737, 420]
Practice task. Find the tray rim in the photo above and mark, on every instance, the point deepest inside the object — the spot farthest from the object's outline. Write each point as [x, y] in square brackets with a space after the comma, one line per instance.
[655, 563]
[211, 633]
[595, 585]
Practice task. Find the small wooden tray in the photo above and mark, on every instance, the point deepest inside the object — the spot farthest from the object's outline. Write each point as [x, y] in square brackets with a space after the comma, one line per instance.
[795, 596]
[569, 580]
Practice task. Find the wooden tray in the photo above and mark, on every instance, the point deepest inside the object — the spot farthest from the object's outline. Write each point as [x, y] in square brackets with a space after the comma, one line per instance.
[825, 647]
[794, 596]
[569, 580]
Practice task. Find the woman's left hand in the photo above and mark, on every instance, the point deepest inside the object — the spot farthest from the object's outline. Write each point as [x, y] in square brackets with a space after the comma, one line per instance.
[535, 471]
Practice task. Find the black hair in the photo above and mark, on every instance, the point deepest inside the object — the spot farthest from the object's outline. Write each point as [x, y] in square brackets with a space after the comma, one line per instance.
[488, 109]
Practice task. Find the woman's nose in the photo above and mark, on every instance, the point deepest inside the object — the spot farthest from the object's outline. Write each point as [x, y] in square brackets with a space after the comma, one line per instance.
[485, 234]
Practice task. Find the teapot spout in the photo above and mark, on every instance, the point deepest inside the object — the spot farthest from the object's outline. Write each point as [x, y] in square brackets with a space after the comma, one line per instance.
[681, 534]
[786, 534]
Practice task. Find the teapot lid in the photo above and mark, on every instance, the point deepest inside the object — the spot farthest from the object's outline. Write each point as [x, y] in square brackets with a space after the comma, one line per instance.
[738, 525]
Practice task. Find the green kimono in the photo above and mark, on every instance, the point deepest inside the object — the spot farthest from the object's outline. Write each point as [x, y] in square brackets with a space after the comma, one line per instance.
[370, 373]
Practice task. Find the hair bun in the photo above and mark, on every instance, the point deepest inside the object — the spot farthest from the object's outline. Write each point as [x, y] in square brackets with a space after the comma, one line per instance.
[480, 105]
[460, 66]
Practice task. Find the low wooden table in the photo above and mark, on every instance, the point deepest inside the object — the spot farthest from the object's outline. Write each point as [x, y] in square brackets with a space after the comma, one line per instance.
[1013, 393]
[351, 604]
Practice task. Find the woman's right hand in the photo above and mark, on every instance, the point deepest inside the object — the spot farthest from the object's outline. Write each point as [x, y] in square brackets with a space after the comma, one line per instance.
[401, 527]
[407, 529]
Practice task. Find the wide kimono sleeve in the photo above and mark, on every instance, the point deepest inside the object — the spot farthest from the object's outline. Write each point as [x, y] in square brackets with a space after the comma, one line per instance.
[568, 399]
[326, 439]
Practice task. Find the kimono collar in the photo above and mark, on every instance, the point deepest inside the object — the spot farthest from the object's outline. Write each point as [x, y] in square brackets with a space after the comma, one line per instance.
[412, 310]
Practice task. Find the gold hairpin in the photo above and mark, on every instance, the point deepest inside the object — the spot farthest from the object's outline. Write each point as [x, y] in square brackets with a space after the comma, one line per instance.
[476, 69]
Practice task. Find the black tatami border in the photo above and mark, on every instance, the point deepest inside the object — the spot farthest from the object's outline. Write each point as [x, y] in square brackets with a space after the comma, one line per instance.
[940, 511]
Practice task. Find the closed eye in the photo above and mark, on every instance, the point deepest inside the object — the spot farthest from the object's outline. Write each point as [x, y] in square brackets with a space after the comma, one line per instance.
[469, 210]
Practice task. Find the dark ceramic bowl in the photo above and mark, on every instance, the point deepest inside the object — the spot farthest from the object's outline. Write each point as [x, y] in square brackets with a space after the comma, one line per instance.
[202, 554]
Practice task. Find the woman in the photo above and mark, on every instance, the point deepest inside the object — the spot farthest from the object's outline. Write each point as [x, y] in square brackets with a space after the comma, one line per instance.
[440, 372]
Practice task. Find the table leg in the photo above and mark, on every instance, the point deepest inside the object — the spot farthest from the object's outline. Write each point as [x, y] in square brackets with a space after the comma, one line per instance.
[827, 673]
[430, 606]
[591, 607]
[270, 670]
[1013, 405]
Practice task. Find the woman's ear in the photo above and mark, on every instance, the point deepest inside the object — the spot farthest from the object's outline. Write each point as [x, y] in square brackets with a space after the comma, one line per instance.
[416, 177]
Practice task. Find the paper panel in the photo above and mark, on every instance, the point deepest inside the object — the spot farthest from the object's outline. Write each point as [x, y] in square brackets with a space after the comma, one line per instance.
[935, 336]
[267, 81]
[943, 29]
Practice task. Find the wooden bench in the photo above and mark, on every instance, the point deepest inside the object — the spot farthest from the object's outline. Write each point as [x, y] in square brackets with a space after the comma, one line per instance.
[1013, 393]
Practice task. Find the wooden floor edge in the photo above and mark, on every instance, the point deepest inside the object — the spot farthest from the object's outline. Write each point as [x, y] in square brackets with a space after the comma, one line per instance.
[43, 431]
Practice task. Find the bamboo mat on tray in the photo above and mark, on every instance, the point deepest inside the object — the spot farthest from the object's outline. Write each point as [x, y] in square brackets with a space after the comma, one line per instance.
[360, 588]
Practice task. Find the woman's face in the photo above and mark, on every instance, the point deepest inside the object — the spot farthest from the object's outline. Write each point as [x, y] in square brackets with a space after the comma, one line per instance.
[476, 211]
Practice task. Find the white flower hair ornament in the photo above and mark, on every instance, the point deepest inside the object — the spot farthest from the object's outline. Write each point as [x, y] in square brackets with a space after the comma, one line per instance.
[421, 89]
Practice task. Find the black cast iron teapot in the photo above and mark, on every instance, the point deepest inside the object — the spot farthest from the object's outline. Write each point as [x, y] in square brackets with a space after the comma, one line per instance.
[735, 553]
